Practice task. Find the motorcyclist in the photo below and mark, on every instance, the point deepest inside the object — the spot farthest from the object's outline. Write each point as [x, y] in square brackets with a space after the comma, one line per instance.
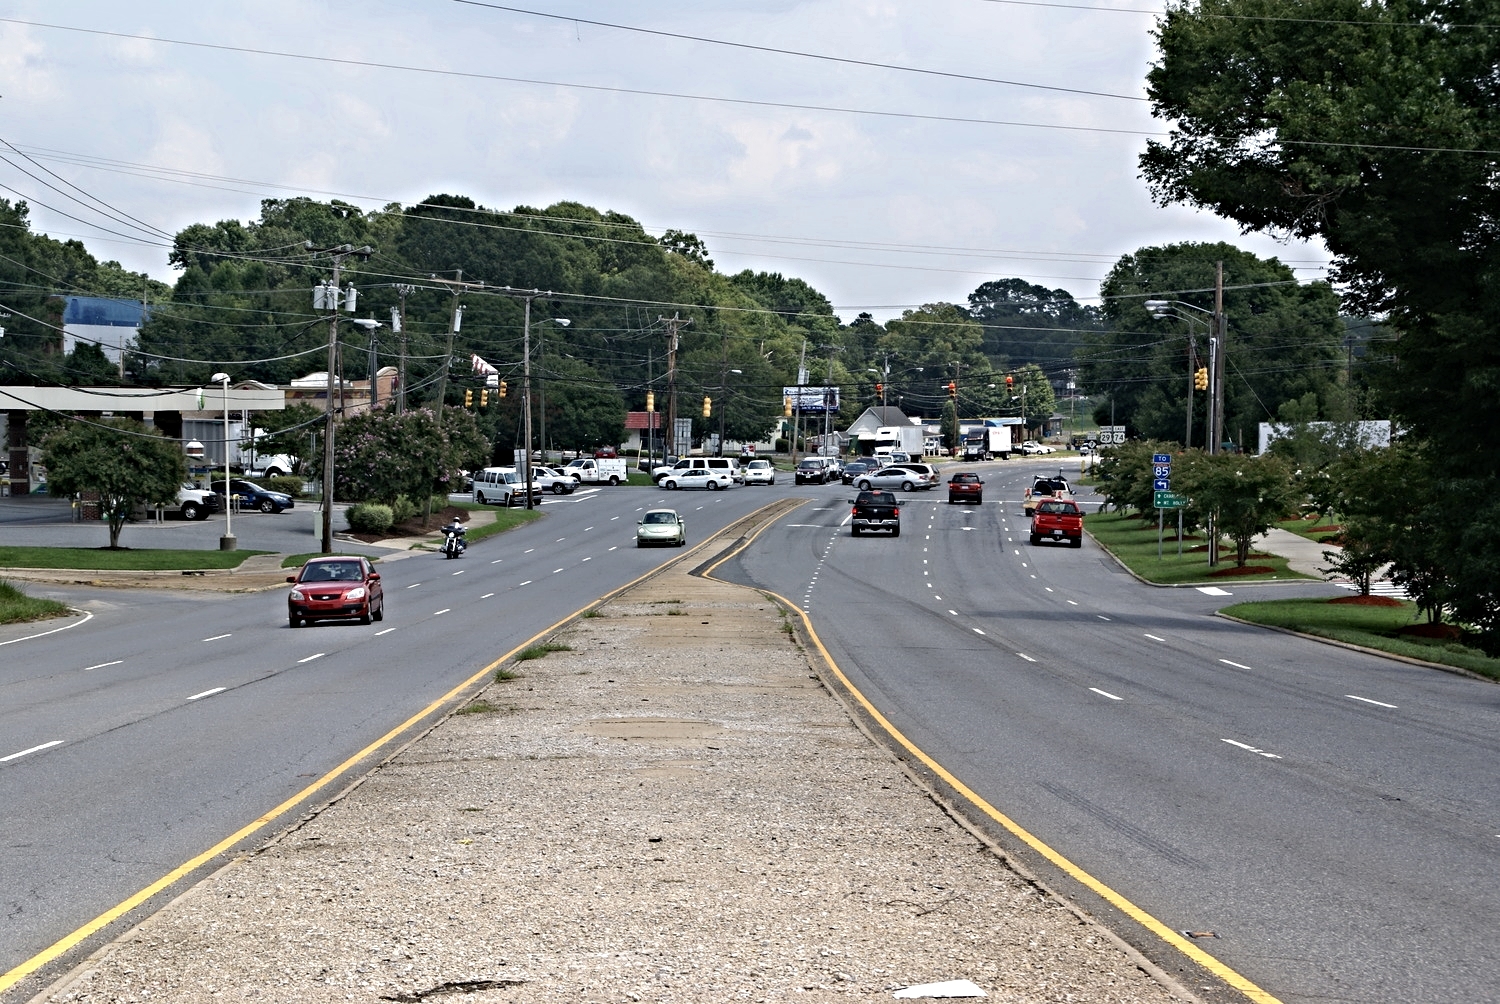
[455, 532]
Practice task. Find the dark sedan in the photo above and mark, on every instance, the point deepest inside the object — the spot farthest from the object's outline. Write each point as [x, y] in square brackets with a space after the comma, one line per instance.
[855, 468]
[252, 496]
[345, 588]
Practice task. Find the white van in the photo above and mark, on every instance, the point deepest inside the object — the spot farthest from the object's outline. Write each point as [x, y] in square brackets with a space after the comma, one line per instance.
[502, 486]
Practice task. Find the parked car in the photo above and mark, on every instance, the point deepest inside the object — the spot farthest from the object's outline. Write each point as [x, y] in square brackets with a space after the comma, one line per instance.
[1044, 487]
[551, 479]
[711, 478]
[1034, 449]
[874, 510]
[196, 503]
[891, 477]
[661, 526]
[760, 472]
[253, 496]
[1057, 519]
[965, 486]
[345, 587]
[854, 468]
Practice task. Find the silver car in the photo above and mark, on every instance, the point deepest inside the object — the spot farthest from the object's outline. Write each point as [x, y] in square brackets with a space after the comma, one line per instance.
[891, 477]
[661, 526]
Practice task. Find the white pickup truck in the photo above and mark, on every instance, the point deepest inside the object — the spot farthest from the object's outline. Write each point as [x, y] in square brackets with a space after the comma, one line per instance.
[196, 503]
[596, 470]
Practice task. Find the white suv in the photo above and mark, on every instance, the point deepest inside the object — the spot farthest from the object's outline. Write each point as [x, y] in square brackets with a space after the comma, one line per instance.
[760, 472]
[727, 466]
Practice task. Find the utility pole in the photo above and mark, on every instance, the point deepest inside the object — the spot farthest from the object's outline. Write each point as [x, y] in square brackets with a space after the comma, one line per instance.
[674, 325]
[797, 411]
[455, 323]
[327, 298]
[1216, 393]
[526, 296]
[398, 322]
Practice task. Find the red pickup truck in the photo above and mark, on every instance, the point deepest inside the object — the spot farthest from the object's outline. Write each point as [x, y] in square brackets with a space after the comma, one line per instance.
[1057, 520]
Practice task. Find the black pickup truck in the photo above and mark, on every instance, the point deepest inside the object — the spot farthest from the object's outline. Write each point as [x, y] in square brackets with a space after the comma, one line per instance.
[876, 511]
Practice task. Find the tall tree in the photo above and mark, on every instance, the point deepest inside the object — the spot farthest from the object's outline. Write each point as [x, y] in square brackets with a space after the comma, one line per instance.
[1027, 323]
[126, 464]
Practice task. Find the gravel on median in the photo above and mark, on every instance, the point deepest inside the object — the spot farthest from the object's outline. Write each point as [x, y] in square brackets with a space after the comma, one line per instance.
[673, 809]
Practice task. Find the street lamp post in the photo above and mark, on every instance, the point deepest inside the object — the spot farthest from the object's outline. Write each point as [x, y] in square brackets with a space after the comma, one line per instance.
[541, 382]
[226, 542]
[724, 405]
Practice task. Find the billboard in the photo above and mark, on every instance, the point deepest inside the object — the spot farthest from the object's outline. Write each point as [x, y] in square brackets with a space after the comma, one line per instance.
[812, 400]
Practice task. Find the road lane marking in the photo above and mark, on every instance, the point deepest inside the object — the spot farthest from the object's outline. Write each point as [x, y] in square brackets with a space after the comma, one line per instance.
[1234, 664]
[459, 572]
[528, 550]
[1106, 693]
[1026, 657]
[1213, 591]
[1101, 617]
[587, 529]
[34, 749]
[1379, 704]
[101, 665]
[386, 631]
[590, 558]
[1073, 602]
[526, 583]
[497, 561]
[977, 631]
[936, 596]
[311, 658]
[414, 585]
[486, 596]
[1049, 589]
[218, 636]
[556, 570]
[442, 611]
[559, 540]
[1154, 638]
[953, 612]
[1252, 749]
[208, 693]
[615, 548]
[87, 616]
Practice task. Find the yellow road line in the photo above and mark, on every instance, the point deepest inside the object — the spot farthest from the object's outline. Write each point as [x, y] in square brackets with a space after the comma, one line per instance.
[1115, 899]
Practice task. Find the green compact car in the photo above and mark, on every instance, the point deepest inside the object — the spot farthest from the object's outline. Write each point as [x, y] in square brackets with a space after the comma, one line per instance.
[661, 526]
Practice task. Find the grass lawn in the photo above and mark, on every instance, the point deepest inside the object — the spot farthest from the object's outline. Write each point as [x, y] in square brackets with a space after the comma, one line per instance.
[1372, 627]
[1133, 541]
[505, 519]
[1315, 529]
[16, 607]
[124, 560]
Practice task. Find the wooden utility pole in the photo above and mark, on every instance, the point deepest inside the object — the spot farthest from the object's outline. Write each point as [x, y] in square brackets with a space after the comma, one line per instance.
[398, 321]
[328, 299]
[674, 325]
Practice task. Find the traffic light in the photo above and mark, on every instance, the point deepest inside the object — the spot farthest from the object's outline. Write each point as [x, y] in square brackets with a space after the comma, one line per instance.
[469, 398]
[708, 406]
[484, 398]
[1010, 383]
[952, 389]
[880, 388]
[503, 388]
[650, 400]
[1200, 378]
[786, 405]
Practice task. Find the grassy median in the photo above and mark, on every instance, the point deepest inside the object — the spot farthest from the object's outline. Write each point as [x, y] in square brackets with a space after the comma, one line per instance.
[146, 559]
[16, 607]
[1398, 629]
[1133, 541]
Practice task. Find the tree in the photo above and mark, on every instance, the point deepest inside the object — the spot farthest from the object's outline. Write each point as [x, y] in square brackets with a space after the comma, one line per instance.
[379, 455]
[1026, 323]
[583, 410]
[1284, 339]
[125, 463]
[1243, 496]
[1125, 474]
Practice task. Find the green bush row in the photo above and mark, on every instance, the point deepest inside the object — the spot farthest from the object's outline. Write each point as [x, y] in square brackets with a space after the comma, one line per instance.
[370, 517]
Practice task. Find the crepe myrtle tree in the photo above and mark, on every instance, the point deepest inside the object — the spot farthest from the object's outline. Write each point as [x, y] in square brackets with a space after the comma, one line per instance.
[122, 461]
[1243, 495]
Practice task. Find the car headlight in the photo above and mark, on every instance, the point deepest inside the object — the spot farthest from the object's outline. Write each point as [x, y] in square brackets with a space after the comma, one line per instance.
[297, 595]
[357, 593]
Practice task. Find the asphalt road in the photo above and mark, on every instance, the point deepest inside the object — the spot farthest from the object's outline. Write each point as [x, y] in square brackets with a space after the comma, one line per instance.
[135, 740]
[1333, 818]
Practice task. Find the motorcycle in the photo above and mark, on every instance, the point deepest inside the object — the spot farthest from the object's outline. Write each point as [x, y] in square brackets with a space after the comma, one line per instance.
[454, 543]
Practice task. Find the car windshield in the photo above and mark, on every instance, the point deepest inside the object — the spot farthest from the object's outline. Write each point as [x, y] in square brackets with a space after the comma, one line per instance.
[810, 463]
[331, 571]
[660, 517]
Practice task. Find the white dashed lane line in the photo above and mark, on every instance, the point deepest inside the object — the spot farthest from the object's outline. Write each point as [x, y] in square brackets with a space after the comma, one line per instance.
[1378, 704]
[1153, 637]
[386, 631]
[1252, 749]
[207, 693]
[459, 572]
[101, 665]
[1026, 657]
[1101, 617]
[28, 752]
[1106, 693]
[311, 658]
[1236, 665]
[486, 596]
[414, 585]
[442, 611]
[526, 583]
[218, 637]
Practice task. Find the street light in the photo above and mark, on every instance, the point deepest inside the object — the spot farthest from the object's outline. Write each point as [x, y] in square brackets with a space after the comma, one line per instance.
[541, 385]
[371, 326]
[1161, 309]
[226, 542]
[724, 406]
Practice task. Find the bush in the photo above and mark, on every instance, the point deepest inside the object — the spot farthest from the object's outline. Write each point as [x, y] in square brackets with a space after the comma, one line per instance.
[287, 484]
[402, 509]
[439, 503]
[369, 517]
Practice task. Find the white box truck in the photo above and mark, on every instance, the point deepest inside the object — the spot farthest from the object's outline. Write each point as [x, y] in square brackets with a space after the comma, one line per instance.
[899, 439]
[597, 470]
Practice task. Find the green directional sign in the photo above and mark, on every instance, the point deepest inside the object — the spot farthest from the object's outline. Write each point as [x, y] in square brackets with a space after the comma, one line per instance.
[1170, 500]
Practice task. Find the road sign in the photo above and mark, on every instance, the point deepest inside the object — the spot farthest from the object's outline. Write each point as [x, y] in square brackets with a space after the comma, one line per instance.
[1170, 500]
[1161, 471]
[1161, 484]
[1113, 435]
[1161, 458]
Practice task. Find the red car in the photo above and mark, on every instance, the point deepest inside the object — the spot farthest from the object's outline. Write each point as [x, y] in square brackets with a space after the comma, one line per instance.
[1057, 519]
[344, 588]
[965, 486]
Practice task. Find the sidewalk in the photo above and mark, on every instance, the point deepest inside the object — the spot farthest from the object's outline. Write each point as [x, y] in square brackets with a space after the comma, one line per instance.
[673, 809]
[1302, 555]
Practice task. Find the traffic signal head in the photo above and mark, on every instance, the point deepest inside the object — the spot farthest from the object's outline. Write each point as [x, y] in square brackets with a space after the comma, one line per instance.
[952, 389]
[1200, 378]
[468, 398]
[708, 405]
[503, 388]
[650, 400]
[880, 388]
[786, 405]
[1010, 382]
[484, 398]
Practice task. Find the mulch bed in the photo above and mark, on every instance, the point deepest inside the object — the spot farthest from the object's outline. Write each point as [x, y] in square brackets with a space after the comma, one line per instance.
[1245, 570]
[1368, 601]
[1331, 528]
[1442, 632]
[413, 527]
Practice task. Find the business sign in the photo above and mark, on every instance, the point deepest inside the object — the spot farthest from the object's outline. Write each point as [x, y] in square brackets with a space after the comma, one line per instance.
[1170, 500]
[812, 400]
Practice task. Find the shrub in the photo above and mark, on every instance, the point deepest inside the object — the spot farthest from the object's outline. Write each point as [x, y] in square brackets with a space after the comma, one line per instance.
[369, 517]
[439, 503]
[402, 509]
[287, 484]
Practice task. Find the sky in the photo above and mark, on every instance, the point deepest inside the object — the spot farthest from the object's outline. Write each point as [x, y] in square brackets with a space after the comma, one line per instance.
[759, 125]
